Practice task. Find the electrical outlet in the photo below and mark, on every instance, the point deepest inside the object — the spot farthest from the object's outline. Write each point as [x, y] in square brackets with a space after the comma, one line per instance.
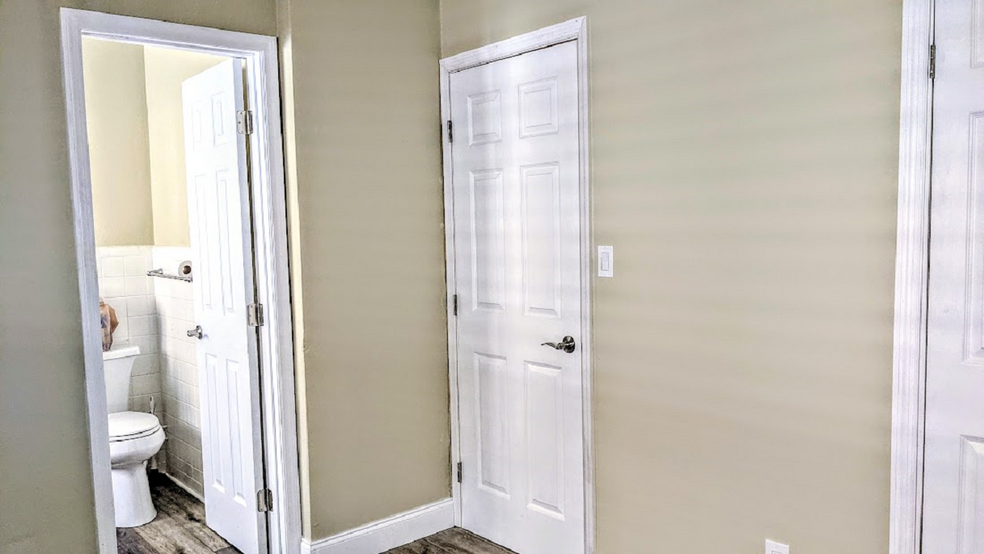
[773, 547]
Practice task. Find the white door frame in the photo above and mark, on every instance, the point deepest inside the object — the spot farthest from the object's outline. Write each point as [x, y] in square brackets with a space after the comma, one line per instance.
[269, 228]
[911, 279]
[573, 30]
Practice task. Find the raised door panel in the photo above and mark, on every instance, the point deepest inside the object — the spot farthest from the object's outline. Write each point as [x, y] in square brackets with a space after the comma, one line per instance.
[487, 248]
[974, 297]
[971, 513]
[542, 282]
[538, 110]
[545, 438]
[484, 118]
[493, 430]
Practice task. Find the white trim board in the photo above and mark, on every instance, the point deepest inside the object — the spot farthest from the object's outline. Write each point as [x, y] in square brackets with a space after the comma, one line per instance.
[260, 58]
[388, 533]
[572, 30]
[911, 280]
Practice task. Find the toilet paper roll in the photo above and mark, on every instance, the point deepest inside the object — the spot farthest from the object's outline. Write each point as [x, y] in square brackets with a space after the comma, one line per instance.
[184, 268]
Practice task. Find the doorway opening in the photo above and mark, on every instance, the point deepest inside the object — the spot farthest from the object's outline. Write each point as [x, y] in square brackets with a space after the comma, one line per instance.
[179, 208]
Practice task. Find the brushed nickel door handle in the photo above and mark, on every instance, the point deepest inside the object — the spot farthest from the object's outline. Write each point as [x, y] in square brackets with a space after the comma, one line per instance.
[196, 332]
[566, 344]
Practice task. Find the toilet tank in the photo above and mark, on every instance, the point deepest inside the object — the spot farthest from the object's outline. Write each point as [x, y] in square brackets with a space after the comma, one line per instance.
[117, 365]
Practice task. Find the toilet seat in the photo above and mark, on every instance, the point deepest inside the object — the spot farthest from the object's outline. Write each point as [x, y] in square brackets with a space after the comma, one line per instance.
[126, 426]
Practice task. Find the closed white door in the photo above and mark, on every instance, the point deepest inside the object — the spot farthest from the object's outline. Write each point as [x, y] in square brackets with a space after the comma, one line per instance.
[218, 200]
[954, 471]
[518, 281]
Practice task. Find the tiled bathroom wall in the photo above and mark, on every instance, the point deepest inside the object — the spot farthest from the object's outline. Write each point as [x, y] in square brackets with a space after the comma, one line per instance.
[155, 314]
[124, 285]
[179, 370]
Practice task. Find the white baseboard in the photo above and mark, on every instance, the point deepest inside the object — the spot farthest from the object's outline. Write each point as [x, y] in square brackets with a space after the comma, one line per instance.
[388, 533]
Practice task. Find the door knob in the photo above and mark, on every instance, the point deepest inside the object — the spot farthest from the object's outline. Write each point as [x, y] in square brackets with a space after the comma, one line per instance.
[196, 332]
[566, 344]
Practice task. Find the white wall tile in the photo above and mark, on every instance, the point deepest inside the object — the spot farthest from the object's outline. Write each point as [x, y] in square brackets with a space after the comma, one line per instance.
[184, 310]
[141, 305]
[148, 345]
[122, 332]
[143, 325]
[179, 374]
[145, 384]
[135, 266]
[146, 364]
[187, 373]
[112, 286]
[137, 285]
[112, 266]
[185, 352]
[185, 290]
[118, 303]
[141, 403]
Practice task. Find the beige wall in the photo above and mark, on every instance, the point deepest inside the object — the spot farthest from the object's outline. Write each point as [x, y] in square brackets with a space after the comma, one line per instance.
[365, 177]
[44, 463]
[166, 69]
[116, 112]
[744, 162]
[136, 141]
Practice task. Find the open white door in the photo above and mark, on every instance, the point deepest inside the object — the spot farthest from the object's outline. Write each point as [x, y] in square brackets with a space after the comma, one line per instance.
[221, 239]
[953, 506]
[516, 178]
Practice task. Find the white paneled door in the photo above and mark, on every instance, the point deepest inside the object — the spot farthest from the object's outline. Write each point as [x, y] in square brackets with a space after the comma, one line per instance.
[954, 478]
[219, 219]
[518, 280]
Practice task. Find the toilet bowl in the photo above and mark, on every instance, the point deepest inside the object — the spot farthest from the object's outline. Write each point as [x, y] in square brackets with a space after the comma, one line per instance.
[134, 437]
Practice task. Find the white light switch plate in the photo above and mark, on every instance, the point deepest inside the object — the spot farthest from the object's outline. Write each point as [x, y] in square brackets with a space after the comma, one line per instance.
[772, 547]
[606, 261]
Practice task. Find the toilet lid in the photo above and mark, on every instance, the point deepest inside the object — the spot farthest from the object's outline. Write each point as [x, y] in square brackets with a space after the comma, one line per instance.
[132, 425]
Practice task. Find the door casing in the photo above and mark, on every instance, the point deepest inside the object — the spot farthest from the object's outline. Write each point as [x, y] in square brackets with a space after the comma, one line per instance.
[269, 225]
[572, 30]
[911, 279]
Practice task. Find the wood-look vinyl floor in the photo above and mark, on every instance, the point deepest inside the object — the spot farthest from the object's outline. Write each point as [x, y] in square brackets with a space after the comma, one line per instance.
[179, 527]
[451, 541]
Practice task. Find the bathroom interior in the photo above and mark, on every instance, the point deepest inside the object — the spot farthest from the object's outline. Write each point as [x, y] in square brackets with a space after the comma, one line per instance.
[133, 99]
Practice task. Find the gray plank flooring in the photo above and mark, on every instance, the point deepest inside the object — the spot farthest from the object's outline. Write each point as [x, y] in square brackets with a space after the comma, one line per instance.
[452, 541]
[179, 527]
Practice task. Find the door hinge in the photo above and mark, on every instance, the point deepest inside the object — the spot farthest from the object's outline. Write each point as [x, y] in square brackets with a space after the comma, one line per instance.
[459, 472]
[450, 132]
[454, 305]
[932, 61]
[264, 500]
[244, 122]
[254, 315]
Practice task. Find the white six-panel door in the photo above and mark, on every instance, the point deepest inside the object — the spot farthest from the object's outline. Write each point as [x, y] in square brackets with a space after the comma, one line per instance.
[518, 280]
[954, 478]
[219, 219]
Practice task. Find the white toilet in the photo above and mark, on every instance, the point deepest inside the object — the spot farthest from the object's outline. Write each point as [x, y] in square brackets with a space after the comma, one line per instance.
[134, 437]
